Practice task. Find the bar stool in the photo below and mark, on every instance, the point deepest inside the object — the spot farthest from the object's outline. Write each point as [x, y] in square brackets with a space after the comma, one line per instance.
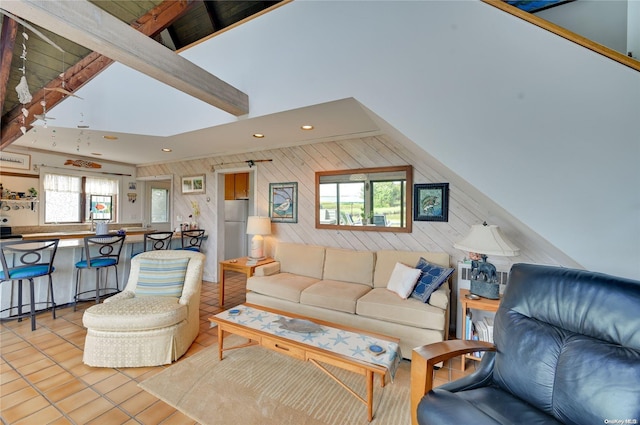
[29, 260]
[192, 239]
[100, 252]
[156, 241]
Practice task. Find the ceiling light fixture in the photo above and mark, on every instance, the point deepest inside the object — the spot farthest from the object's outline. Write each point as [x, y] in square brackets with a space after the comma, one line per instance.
[96, 154]
[258, 135]
[307, 127]
[108, 137]
[167, 150]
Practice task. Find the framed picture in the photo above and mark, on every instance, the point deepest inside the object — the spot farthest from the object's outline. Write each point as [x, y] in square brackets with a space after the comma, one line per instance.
[15, 160]
[193, 184]
[283, 202]
[101, 207]
[431, 202]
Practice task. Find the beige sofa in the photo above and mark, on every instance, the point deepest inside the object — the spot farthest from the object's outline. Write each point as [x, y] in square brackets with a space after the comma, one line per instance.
[145, 327]
[350, 288]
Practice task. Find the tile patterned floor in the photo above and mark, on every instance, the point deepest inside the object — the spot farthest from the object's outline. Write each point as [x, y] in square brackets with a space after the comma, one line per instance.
[43, 379]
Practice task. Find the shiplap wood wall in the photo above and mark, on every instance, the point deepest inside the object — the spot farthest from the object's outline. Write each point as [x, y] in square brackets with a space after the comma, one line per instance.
[467, 206]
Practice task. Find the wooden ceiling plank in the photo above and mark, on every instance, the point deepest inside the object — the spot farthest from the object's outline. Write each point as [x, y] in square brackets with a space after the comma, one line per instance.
[87, 68]
[7, 43]
[86, 24]
[75, 77]
[212, 13]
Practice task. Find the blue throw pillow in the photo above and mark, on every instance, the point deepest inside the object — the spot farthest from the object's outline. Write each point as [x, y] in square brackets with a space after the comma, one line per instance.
[431, 278]
[161, 277]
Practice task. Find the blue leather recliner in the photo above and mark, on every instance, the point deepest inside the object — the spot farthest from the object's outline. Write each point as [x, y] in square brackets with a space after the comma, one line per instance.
[567, 351]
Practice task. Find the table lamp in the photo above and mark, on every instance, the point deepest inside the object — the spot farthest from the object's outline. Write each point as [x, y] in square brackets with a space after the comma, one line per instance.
[258, 226]
[483, 240]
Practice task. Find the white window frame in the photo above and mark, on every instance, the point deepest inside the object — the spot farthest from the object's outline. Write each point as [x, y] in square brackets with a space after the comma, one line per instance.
[84, 197]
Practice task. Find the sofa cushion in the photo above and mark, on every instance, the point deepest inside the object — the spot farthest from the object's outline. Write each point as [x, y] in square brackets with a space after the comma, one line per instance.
[135, 314]
[304, 260]
[379, 303]
[286, 286]
[403, 279]
[386, 260]
[431, 277]
[161, 277]
[334, 295]
[482, 406]
[349, 266]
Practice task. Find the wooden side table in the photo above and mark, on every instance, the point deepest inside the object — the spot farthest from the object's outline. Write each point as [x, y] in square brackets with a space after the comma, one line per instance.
[238, 265]
[480, 304]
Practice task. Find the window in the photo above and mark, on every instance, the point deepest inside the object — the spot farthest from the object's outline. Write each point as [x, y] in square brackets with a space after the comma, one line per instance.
[100, 198]
[364, 198]
[76, 199]
[62, 198]
[159, 205]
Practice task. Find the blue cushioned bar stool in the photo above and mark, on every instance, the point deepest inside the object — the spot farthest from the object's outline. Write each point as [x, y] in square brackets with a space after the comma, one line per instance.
[156, 241]
[100, 252]
[192, 239]
[27, 260]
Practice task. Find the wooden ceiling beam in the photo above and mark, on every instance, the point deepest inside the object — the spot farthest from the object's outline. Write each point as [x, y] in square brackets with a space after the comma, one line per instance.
[90, 26]
[87, 68]
[7, 43]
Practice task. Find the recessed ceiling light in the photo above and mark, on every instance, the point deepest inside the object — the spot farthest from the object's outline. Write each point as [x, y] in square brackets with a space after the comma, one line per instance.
[307, 127]
[167, 150]
[258, 135]
[108, 137]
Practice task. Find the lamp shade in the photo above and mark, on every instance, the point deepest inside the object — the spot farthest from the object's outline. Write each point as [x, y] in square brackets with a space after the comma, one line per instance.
[488, 240]
[258, 225]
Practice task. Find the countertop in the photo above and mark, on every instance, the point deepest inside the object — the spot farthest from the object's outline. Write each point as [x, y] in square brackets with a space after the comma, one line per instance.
[81, 234]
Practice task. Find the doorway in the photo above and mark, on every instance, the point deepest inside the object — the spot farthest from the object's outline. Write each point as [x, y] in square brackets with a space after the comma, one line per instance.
[235, 204]
[157, 207]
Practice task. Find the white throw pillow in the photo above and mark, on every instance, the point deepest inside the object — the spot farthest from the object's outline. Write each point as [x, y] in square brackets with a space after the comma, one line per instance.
[403, 279]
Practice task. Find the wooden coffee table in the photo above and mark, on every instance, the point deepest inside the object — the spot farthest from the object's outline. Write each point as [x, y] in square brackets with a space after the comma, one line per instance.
[259, 325]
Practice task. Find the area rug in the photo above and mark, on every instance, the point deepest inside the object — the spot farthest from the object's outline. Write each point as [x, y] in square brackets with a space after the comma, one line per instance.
[254, 385]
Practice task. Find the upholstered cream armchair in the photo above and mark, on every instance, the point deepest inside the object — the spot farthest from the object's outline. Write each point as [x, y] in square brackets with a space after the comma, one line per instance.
[154, 320]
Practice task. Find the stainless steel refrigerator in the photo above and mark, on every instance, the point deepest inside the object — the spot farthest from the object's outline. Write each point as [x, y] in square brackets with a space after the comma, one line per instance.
[235, 228]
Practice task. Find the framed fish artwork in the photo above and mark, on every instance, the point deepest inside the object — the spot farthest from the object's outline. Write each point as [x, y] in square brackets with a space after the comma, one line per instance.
[431, 202]
[283, 202]
[101, 207]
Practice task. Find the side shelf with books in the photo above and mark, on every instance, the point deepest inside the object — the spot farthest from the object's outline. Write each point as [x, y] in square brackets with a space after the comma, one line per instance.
[480, 327]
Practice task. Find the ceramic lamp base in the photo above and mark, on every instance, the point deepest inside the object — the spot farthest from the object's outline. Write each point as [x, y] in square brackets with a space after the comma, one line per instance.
[485, 289]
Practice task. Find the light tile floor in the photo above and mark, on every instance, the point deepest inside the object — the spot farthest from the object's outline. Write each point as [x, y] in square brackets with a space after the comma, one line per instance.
[43, 379]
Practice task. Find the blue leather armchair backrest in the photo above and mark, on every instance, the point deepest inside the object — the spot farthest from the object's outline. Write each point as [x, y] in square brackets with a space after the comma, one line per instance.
[568, 342]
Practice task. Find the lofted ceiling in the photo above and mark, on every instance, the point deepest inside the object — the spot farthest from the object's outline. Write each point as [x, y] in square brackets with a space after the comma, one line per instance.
[56, 69]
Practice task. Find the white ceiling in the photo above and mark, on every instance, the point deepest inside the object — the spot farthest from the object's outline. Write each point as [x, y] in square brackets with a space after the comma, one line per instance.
[332, 120]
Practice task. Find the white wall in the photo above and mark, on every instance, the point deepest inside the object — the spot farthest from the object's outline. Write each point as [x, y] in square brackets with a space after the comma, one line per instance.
[545, 128]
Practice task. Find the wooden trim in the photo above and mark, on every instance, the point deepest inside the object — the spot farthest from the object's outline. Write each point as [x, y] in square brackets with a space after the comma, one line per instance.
[12, 174]
[565, 33]
[408, 169]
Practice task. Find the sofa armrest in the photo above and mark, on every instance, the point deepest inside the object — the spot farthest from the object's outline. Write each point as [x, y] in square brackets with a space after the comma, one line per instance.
[267, 269]
[424, 358]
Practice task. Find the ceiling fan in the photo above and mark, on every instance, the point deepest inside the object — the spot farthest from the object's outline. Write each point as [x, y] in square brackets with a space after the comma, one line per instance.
[43, 116]
[63, 91]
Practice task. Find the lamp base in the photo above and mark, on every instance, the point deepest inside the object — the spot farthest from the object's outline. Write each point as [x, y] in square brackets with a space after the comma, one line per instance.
[490, 290]
[257, 258]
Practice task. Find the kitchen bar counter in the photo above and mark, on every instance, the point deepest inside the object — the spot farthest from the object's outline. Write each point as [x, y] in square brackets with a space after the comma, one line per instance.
[70, 251]
[82, 234]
